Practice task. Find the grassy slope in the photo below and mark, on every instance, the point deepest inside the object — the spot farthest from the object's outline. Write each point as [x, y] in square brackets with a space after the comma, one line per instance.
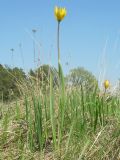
[70, 124]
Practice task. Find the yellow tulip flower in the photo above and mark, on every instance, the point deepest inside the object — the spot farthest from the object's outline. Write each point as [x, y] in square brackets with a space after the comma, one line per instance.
[106, 84]
[60, 13]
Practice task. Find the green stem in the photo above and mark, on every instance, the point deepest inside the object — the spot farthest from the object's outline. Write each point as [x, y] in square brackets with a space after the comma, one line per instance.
[58, 45]
[105, 92]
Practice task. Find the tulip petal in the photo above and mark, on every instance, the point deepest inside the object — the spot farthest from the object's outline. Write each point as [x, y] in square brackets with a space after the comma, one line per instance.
[60, 13]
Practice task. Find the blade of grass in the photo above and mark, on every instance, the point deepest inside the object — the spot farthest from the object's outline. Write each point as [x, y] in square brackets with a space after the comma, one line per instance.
[52, 112]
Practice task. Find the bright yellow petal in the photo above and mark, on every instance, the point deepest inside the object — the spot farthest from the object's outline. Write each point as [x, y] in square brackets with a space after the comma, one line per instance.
[106, 84]
[56, 11]
[60, 13]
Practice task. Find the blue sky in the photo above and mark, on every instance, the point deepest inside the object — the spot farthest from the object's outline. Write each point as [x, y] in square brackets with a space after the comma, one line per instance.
[89, 34]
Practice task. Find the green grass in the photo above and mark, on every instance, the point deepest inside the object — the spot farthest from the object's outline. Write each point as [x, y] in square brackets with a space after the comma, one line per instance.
[65, 123]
